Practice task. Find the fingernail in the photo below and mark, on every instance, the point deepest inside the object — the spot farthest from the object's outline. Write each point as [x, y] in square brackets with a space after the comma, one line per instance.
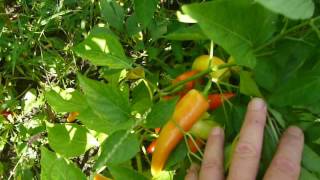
[216, 131]
[257, 104]
[295, 131]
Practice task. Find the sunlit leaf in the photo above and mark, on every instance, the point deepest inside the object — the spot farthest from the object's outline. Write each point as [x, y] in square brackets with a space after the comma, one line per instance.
[55, 167]
[294, 9]
[102, 48]
[70, 140]
[121, 146]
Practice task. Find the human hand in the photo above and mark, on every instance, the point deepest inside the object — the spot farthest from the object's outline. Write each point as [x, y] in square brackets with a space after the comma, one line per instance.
[246, 156]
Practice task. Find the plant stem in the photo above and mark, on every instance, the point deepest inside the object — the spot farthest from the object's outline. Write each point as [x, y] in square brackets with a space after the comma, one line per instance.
[283, 33]
[207, 88]
[139, 164]
[196, 76]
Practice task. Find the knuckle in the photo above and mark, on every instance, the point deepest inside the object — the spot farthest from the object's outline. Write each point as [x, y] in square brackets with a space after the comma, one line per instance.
[287, 166]
[211, 165]
[246, 150]
[257, 122]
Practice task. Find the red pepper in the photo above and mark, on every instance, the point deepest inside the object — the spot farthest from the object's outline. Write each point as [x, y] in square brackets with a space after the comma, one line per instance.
[6, 113]
[167, 97]
[189, 85]
[216, 100]
[193, 146]
[157, 130]
[187, 112]
[151, 147]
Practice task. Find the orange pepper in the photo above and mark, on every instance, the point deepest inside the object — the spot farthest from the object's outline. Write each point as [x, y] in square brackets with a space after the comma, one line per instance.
[72, 117]
[193, 146]
[187, 112]
[100, 177]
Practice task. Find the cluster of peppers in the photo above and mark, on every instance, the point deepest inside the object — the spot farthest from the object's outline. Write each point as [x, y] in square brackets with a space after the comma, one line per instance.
[191, 107]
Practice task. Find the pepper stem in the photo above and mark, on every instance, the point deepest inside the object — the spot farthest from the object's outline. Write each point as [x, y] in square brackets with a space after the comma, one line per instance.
[207, 88]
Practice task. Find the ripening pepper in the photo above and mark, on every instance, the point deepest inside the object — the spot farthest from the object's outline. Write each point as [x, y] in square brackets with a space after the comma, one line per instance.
[203, 127]
[189, 85]
[187, 112]
[216, 100]
[100, 177]
[72, 117]
[193, 145]
[151, 147]
[202, 63]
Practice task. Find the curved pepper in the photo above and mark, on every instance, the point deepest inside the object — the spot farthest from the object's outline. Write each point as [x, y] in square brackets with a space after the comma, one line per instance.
[193, 145]
[187, 112]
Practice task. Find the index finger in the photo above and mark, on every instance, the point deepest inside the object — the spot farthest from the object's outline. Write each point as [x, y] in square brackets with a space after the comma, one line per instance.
[246, 156]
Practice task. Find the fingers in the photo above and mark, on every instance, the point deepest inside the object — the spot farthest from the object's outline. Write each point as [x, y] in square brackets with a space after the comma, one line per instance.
[286, 163]
[212, 164]
[192, 173]
[246, 155]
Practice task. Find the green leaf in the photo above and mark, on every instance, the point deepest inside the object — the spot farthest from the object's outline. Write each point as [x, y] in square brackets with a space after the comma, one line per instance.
[247, 85]
[160, 113]
[288, 57]
[107, 102]
[266, 74]
[144, 9]
[141, 100]
[59, 104]
[312, 132]
[54, 167]
[94, 122]
[294, 9]
[100, 59]
[310, 160]
[187, 33]
[157, 29]
[69, 140]
[301, 90]
[235, 25]
[306, 175]
[177, 155]
[102, 48]
[269, 147]
[124, 173]
[132, 25]
[121, 146]
[113, 13]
